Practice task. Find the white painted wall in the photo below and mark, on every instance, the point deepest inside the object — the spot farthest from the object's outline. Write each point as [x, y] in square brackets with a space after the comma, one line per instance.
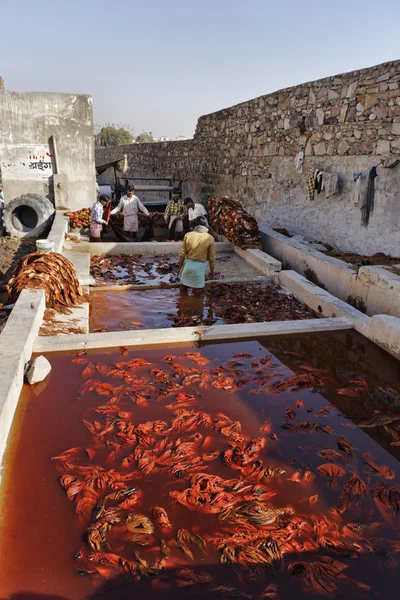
[27, 121]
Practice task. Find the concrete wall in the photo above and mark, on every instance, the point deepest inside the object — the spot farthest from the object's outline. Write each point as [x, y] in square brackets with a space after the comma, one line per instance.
[373, 290]
[344, 124]
[27, 121]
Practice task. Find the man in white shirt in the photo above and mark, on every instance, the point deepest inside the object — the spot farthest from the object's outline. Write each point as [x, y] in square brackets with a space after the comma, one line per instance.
[195, 210]
[96, 218]
[129, 206]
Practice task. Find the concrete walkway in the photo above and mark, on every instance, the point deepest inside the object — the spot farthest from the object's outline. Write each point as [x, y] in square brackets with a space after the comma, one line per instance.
[187, 335]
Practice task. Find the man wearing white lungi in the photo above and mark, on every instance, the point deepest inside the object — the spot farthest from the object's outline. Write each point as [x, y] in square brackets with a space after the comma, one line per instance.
[129, 206]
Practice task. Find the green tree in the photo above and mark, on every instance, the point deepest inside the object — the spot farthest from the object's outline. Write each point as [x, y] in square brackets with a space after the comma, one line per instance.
[144, 138]
[111, 135]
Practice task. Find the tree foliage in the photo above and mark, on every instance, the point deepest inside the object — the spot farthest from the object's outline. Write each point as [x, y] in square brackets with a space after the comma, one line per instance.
[111, 135]
[144, 137]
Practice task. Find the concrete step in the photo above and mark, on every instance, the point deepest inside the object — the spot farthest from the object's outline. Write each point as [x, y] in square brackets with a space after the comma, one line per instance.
[81, 262]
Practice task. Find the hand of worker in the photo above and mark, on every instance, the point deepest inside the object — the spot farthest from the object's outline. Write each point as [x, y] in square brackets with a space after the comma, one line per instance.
[211, 275]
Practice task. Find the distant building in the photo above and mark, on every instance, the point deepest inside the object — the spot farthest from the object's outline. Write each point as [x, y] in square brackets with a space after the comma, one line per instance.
[181, 137]
[163, 138]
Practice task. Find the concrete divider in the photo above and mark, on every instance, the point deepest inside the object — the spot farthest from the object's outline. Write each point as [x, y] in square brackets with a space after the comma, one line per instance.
[81, 262]
[171, 286]
[384, 331]
[186, 335]
[16, 342]
[75, 321]
[153, 248]
[319, 300]
[260, 260]
[58, 230]
[373, 290]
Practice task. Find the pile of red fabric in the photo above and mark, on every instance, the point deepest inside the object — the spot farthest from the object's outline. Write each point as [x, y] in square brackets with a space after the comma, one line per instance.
[50, 271]
[228, 218]
[79, 218]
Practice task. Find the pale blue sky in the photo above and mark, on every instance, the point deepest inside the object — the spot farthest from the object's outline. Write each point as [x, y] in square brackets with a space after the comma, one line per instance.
[160, 64]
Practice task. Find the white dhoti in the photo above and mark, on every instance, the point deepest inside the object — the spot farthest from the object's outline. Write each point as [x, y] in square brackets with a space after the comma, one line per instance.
[178, 224]
[131, 223]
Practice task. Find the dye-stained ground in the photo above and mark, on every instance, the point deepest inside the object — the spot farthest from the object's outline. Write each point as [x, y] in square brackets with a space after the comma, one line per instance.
[232, 470]
[352, 258]
[221, 303]
[12, 250]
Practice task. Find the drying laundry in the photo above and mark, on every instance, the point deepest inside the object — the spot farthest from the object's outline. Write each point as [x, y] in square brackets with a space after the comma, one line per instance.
[318, 180]
[311, 183]
[299, 162]
[367, 203]
[357, 188]
[330, 184]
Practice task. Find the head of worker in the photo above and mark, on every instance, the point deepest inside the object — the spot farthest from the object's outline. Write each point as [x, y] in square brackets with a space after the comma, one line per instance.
[104, 199]
[201, 225]
[175, 195]
[188, 202]
[130, 191]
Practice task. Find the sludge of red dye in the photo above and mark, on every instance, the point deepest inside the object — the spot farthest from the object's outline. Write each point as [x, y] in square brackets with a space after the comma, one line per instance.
[202, 472]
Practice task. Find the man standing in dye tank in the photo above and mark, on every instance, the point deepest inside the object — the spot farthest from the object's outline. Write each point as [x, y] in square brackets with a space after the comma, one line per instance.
[174, 214]
[96, 218]
[194, 210]
[129, 206]
[198, 248]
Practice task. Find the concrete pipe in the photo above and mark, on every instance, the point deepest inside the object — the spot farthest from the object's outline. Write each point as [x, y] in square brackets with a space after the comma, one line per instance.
[28, 216]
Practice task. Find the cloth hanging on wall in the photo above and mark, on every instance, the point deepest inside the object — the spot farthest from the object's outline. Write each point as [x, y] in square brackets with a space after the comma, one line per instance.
[357, 188]
[311, 183]
[330, 184]
[318, 184]
[299, 161]
[367, 202]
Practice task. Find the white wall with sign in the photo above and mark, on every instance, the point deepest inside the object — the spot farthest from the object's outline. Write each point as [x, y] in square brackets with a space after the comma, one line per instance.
[27, 163]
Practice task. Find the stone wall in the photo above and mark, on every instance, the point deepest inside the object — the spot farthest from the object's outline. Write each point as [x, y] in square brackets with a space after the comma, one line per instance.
[1, 83]
[344, 124]
[27, 122]
[177, 160]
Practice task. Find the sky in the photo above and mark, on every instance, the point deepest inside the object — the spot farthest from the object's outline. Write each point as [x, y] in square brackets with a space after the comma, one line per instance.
[158, 65]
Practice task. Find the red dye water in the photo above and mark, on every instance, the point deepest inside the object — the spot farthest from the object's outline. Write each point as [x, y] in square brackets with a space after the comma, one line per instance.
[300, 531]
[150, 309]
[218, 304]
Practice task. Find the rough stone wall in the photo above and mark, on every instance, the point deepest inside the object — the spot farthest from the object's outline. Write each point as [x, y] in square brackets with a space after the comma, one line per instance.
[177, 160]
[1, 83]
[27, 121]
[344, 124]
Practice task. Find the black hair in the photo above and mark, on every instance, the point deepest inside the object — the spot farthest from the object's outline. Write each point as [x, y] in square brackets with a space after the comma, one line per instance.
[187, 201]
[131, 188]
[104, 197]
[202, 221]
[176, 191]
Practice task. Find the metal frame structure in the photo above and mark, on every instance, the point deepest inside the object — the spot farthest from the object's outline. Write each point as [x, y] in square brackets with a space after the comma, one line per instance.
[169, 185]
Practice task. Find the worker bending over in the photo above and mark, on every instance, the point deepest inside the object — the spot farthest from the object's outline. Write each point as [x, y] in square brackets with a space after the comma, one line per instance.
[198, 248]
[129, 206]
[97, 220]
[194, 210]
[174, 214]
